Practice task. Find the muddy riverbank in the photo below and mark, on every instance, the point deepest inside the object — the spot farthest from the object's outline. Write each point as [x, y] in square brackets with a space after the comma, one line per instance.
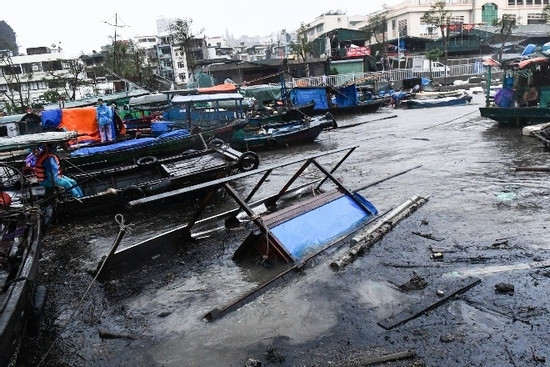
[485, 220]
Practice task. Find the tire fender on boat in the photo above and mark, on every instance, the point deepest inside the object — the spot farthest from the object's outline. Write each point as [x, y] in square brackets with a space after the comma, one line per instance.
[147, 161]
[217, 143]
[248, 161]
[130, 193]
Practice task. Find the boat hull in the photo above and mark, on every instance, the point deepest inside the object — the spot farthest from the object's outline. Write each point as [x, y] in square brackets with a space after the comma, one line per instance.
[436, 102]
[358, 109]
[111, 189]
[164, 147]
[272, 141]
[516, 116]
[16, 299]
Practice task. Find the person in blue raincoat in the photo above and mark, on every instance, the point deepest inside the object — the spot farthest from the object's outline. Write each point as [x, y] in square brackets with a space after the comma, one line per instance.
[48, 172]
[104, 116]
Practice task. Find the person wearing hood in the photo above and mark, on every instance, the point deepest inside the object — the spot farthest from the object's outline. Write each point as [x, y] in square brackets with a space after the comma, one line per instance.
[104, 120]
[48, 172]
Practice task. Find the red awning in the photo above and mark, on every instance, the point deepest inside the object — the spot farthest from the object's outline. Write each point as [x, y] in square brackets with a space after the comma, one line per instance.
[490, 62]
[220, 88]
[535, 60]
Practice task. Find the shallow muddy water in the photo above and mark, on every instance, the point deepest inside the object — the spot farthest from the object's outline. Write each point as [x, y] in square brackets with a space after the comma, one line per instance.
[488, 220]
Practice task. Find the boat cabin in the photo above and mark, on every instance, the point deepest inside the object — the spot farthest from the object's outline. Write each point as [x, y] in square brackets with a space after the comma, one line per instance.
[13, 125]
[206, 110]
[526, 83]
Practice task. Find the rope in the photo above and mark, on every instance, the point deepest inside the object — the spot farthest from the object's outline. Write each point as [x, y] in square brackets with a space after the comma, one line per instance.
[87, 174]
[446, 122]
[262, 78]
[122, 229]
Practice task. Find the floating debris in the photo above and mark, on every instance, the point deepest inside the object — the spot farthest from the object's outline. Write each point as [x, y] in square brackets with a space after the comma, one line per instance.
[446, 338]
[415, 283]
[504, 288]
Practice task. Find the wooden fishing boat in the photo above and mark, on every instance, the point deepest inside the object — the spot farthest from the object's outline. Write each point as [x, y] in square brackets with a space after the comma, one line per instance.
[344, 100]
[509, 106]
[22, 299]
[435, 102]
[283, 114]
[516, 116]
[111, 188]
[131, 151]
[195, 120]
[276, 135]
[140, 111]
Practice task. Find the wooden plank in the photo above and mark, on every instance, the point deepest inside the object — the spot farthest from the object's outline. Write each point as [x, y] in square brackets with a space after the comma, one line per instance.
[426, 305]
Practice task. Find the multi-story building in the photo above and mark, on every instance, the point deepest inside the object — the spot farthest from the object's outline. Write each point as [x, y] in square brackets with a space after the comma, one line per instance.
[331, 20]
[218, 48]
[404, 19]
[40, 70]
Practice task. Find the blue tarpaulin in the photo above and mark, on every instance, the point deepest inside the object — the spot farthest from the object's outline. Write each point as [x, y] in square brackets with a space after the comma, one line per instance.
[50, 118]
[301, 96]
[131, 144]
[323, 225]
[347, 96]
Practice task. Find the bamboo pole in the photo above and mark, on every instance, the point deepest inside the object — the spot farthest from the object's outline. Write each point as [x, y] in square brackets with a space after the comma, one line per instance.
[364, 240]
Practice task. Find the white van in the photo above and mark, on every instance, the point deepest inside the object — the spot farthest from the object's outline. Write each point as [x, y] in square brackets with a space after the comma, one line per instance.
[423, 65]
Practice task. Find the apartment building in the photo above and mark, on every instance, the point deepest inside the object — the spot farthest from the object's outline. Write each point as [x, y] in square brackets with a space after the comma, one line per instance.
[331, 20]
[404, 19]
[40, 70]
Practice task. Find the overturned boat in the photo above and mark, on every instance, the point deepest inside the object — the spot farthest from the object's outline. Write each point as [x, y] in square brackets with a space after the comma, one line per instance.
[279, 223]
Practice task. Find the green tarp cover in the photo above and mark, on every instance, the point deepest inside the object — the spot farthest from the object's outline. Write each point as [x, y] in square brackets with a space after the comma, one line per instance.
[262, 93]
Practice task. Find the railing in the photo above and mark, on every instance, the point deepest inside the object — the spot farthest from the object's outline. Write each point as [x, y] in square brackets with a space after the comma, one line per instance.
[466, 70]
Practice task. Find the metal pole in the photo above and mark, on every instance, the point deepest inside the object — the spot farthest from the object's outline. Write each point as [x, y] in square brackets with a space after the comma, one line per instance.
[487, 101]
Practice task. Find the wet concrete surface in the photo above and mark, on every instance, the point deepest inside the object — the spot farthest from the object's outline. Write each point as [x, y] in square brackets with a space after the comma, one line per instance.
[488, 220]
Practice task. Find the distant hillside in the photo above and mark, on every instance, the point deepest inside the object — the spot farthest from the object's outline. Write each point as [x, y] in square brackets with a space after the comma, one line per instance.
[7, 38]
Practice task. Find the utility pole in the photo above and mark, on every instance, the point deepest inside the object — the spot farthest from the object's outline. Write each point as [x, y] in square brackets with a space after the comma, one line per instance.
[116, 61]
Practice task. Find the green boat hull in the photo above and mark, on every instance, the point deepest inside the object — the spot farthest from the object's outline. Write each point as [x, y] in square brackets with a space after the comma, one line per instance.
[516, 116]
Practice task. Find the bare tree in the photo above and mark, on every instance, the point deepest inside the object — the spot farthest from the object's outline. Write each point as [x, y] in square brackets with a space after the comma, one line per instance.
[182, 36]
[376, 28]
[439, 16]
[506, 26]
[546, 13]
[69, 79]
[302, 47]
[12, 74]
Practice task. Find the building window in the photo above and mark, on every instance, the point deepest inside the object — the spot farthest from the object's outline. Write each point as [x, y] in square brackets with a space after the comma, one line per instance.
[403, 27]
[536, 18]
[489, 13]
[457, 19]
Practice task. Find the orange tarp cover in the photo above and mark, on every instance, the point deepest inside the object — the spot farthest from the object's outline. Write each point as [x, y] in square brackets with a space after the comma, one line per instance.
[220, 88]
[83, 120]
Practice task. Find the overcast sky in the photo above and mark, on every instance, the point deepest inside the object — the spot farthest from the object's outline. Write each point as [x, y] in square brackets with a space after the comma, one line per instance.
[80, 26]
